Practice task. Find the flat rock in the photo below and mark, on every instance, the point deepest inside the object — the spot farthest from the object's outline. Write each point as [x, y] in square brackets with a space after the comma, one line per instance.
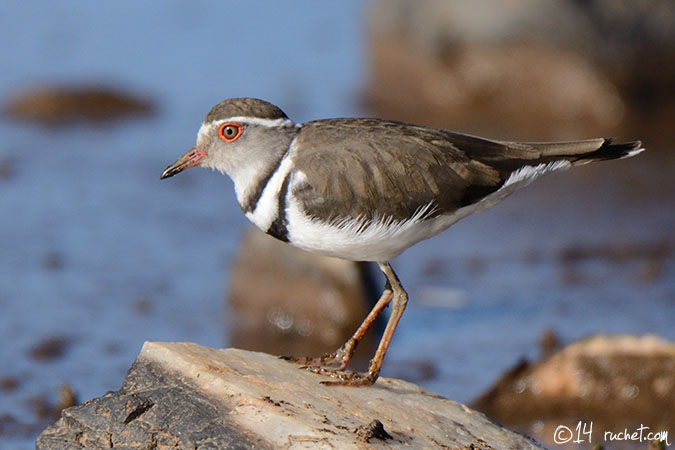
[182, 395]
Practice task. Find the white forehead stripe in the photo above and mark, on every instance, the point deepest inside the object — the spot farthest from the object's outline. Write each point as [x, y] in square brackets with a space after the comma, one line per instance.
[280, 122]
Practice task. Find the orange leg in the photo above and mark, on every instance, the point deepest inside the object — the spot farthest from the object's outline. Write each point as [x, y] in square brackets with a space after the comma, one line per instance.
[339, 359]
[334, 364]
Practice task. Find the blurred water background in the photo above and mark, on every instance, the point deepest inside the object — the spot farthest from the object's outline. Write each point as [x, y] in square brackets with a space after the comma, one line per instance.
[97, 255]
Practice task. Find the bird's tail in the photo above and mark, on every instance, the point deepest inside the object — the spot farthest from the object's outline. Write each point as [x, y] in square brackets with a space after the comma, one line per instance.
[519, 163]
[580, 152]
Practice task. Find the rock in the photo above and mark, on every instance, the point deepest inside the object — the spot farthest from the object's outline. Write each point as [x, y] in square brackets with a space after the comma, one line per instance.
[7, 169]
[648, 258]
[50, 348]
[58, 105]
[486, 91]
[182, 395]
[615, 382]
[285, 301]
[609, 31]
[521, 69]
[9, 383]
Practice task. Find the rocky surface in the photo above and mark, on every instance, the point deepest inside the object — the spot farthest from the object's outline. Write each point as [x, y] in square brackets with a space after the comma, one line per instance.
[181, 395]
[285, 301]
[614, 382]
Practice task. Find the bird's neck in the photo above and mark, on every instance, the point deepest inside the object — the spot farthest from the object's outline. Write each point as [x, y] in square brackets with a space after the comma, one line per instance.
[251, 178]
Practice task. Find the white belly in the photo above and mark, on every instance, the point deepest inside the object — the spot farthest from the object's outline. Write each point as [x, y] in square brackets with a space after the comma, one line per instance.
[357, 239]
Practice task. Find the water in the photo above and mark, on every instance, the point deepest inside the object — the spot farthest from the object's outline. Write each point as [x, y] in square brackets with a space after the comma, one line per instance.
[94, 248]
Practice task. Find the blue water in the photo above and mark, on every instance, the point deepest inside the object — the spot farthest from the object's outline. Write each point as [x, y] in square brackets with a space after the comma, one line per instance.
[92, 196]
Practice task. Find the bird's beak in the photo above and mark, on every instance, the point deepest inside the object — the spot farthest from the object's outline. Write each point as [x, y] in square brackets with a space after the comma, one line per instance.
[190, 159]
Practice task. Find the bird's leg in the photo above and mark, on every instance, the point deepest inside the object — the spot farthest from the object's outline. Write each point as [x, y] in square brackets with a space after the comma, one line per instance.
[339, 359]
[400, 299]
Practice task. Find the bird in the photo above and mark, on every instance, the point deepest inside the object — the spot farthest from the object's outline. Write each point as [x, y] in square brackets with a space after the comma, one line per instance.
[366, 189]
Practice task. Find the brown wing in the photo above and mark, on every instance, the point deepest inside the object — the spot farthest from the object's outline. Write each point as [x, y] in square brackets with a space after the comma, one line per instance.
[378, 168]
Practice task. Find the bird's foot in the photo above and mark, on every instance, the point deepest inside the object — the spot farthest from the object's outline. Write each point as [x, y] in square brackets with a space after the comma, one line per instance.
[337, 360]
[333, 365]
[342, 377]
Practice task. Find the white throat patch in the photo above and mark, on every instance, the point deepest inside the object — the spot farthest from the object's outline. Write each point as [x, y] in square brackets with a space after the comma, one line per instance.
[267, 209]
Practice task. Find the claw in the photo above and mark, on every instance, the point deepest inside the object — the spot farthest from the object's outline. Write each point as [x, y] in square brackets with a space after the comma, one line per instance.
[342, 378]
[351, 379]
[338, 358]
[297, 359]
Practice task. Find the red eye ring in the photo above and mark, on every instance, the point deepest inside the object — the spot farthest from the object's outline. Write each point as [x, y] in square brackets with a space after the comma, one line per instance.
[229, 132]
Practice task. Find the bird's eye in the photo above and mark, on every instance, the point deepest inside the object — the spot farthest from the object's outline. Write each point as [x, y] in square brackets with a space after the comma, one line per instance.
[229, 132]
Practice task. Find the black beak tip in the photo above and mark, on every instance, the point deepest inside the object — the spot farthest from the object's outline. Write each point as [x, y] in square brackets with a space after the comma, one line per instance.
[168, 172]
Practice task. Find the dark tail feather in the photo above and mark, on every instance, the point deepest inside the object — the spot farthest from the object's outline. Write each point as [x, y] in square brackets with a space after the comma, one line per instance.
[519, 154]
[610, 150]
[579, 152]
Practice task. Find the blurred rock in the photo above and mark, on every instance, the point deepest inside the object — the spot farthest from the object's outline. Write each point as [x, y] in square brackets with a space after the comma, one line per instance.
[502, 92]
[7, 169]
[613, 381]
[181, 395]
[10, 426]
[67, 397]
[50, 348]
[58, 105]
[46, 411]
[9, 383]
[521, 69]
[53, 260]
[414, 370]
[143, 306]
[285, 301]
[549, 342]
[615, 252]
[648, 259]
